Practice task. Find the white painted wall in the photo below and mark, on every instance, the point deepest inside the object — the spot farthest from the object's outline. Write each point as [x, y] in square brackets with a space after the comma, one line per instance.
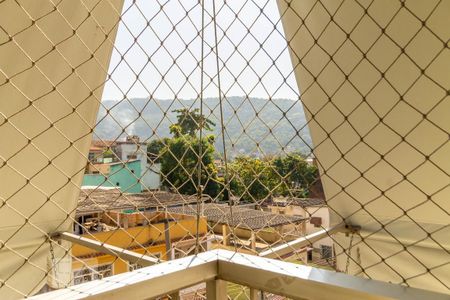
[313, 211]
[324, 214]
[151, 178]
[150, 173]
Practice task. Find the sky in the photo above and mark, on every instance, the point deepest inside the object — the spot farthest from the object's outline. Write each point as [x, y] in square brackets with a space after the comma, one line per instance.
[158, 50]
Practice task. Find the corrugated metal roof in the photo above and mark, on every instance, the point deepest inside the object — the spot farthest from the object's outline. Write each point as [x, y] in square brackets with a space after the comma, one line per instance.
[241, 217]
[100, 200]
[303, 202]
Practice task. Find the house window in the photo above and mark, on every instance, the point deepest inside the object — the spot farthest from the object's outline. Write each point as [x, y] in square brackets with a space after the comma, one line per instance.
[91, 156]
[326, 252]
[92, 273]
[309, 255]
[131, 156]
[316, 221]
[134, 266]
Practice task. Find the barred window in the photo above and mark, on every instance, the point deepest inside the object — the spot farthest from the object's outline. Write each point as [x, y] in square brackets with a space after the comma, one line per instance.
[92, 273]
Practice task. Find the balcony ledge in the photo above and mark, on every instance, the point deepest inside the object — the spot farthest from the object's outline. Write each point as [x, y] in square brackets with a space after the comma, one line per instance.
[281, 278]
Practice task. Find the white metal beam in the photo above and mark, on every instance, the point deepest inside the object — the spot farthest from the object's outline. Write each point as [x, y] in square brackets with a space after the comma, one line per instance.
[286, 248]
[127, 255]
[281, 278]
[304, 282]
[145, 283]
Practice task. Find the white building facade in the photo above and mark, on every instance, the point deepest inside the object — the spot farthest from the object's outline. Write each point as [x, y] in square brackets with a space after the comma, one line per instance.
[314, 209]
[131, 149]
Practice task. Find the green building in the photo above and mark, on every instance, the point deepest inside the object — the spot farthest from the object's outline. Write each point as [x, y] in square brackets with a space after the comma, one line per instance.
[123, 175]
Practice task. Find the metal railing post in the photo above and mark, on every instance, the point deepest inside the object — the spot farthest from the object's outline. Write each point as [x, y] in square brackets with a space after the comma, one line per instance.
[255, 294]
[175, 296]
[216, 290]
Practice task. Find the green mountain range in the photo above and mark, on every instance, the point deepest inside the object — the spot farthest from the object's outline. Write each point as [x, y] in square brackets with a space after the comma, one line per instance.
[252, 126]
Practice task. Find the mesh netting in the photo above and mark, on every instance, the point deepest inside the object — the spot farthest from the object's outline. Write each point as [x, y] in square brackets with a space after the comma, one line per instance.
[169, 128]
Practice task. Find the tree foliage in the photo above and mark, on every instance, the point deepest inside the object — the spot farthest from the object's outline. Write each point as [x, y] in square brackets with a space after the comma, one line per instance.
[155, 149]
[179, 164]
[179, 155]
[251, 178]
[189, 121]
[298, 174]
[256, 179]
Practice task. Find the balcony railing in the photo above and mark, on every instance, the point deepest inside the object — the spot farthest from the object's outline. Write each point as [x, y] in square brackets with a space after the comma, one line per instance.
[217, 267]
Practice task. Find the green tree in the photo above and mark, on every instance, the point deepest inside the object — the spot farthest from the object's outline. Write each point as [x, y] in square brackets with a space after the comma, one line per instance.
[188, 122]
[297, 173]
[179, 155]
[155, 149]
[179, 164]
[257, 179]
[252, 178]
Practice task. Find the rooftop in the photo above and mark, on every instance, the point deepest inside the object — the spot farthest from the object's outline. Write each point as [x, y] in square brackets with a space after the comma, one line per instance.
[121, 162]
[100, 200]
[240, 217]
[303, 202]
[96, 149]
[102, 143]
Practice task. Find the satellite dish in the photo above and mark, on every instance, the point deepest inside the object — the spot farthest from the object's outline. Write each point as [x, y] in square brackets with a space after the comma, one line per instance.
[362, 203]
[41, 171]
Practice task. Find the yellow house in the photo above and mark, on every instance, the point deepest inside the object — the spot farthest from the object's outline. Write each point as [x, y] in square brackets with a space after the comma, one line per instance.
[163, 236]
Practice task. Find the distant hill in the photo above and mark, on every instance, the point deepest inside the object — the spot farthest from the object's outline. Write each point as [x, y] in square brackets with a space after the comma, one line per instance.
[247, 122]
